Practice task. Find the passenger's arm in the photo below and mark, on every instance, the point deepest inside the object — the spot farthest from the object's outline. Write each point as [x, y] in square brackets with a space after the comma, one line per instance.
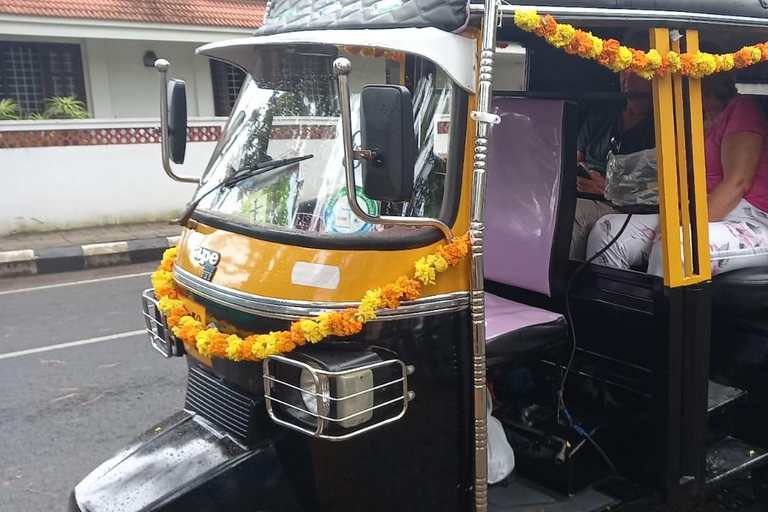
[740, 155]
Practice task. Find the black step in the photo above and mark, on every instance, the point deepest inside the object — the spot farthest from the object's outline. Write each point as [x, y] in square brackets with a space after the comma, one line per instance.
[721, 396]
[731, 457]
[723, 405]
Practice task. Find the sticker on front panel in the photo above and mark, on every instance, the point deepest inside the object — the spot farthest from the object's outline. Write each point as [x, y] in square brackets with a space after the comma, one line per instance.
[196, 311]
[339, 217]
[316, 275]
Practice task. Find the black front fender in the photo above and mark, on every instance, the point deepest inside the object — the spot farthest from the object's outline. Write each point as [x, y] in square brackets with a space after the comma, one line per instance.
[186, 464]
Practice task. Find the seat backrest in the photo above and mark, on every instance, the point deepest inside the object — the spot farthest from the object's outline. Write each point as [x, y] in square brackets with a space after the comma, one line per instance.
[531, 194]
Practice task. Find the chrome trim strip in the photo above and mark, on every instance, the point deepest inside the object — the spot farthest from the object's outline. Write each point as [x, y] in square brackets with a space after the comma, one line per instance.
[296, 309]
[635, 15]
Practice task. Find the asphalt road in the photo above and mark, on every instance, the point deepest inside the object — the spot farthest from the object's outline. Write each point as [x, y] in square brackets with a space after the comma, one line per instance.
[65, 410]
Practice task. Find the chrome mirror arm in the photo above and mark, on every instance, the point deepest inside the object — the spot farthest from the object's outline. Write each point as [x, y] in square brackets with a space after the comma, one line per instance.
[162, 66]
[343, 67]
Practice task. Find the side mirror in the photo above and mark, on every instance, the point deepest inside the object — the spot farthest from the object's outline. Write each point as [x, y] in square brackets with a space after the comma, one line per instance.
[177, 120]
[388, 142]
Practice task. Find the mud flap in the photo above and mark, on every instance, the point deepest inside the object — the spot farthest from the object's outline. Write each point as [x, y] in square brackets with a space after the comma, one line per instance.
[186, 464]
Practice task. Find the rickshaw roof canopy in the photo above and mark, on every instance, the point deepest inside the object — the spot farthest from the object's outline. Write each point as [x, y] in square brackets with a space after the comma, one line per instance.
[454, 15]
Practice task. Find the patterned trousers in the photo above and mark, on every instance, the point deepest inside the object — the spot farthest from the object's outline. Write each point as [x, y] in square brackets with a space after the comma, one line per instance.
[738, 241]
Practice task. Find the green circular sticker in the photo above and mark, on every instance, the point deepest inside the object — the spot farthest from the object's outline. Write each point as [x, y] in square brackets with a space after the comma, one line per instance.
[339, 217]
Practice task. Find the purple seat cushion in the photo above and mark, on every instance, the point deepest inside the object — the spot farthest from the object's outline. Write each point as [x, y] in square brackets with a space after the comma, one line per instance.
[515, 331]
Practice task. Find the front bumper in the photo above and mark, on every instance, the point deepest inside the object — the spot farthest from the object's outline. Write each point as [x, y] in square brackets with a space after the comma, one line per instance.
[189, 465]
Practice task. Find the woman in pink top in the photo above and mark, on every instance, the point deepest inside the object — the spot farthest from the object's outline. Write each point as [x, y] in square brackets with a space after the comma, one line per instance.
[736, 146]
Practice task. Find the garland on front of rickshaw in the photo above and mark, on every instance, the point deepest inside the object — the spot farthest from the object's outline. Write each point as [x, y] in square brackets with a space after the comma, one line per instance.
[616, 57]
[224, 341]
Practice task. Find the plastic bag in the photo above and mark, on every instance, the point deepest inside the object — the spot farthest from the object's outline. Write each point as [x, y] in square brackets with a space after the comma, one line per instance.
[632, 179]
[501, 457]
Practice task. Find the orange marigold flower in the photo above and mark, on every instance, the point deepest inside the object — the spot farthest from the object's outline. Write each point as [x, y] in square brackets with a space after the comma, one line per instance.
[687, 64]
[581, 45]
[345, 323]
[410, 289]
[665, 67]
[763, 51]
[455, 251]
[742, 58]
[639, 61]
[548, 27]
[610, 52]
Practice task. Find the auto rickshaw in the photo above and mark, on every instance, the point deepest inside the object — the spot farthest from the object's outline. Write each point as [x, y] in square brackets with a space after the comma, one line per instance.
[382, 235]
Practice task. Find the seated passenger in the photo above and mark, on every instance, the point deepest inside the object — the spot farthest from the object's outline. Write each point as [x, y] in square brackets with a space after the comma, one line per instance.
[629, 128]
[735, 131]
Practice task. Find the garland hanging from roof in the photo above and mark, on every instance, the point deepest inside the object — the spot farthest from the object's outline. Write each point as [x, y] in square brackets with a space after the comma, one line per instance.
[221, 340]
[616, 57]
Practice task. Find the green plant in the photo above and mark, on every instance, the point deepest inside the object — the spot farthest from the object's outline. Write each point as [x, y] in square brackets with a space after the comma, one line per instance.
[65, 107]
[9, 110]
[36, 116]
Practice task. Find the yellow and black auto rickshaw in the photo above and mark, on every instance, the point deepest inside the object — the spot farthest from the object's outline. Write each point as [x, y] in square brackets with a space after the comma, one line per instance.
[382, 236]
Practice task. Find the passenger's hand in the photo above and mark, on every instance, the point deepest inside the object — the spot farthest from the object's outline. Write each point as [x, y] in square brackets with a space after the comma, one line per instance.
[595, 185]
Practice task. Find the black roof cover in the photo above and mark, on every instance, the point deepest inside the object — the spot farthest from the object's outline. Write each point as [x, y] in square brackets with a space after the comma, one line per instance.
[295, 15]
[745, 8]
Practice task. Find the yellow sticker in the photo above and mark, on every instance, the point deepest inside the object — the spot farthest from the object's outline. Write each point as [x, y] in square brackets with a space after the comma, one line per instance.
[196, 310]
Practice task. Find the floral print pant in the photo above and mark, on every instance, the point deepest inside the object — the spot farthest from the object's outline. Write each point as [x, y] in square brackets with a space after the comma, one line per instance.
[738, 241]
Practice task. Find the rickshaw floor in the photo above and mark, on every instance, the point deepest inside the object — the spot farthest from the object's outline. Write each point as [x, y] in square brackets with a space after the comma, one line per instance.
[519, 495]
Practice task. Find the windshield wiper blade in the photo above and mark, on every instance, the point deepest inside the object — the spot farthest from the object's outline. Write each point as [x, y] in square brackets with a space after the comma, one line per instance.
[242, 175]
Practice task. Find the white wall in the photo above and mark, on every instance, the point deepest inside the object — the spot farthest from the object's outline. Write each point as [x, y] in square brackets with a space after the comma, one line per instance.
[78, 186]
[121, 86]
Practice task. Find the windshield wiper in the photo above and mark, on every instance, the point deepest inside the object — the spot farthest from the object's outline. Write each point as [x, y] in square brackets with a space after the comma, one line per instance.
[242, 175]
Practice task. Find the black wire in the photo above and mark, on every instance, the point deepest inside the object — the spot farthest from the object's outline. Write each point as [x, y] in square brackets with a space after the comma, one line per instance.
[569, 319]
[571, 280]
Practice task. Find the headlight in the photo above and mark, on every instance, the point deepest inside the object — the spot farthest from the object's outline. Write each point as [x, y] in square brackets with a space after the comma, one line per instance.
[335, 394]
[312, 396]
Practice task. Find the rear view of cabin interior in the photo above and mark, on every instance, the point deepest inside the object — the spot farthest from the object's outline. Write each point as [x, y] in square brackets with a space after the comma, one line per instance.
[606, 376]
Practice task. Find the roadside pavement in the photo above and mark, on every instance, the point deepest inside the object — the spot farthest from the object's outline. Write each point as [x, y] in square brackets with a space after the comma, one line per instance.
[78, 249]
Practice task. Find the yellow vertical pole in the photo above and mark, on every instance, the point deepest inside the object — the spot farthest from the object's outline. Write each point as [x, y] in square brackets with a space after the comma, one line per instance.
[667, 167]
[699, 168]
[682, 170]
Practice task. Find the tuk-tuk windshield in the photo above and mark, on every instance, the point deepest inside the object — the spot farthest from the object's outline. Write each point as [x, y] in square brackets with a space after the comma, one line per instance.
[292, 110]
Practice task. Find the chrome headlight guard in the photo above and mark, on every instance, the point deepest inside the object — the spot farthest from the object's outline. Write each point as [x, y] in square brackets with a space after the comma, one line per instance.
[376, 413]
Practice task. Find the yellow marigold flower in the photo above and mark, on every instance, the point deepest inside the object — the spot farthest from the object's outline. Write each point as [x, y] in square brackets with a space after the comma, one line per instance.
[324, 321]
[648, 75]
[564, 36]
[597, 47]
[674, 62]
[171, 253]
[440, 264]
[654, 58]
[527, 19]
[705, 65]
[370, 305]
[425, 272]
[311, 331]
[203, 340]
[727, 62]
[166, 305]
[233, 348]
[622, 61]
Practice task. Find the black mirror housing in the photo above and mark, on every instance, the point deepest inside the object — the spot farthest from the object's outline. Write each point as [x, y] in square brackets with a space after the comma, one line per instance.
[177, 120]
[387, 131]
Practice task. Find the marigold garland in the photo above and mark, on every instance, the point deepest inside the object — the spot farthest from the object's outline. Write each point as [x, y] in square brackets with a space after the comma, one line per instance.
[222, 340]
[616, 57]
